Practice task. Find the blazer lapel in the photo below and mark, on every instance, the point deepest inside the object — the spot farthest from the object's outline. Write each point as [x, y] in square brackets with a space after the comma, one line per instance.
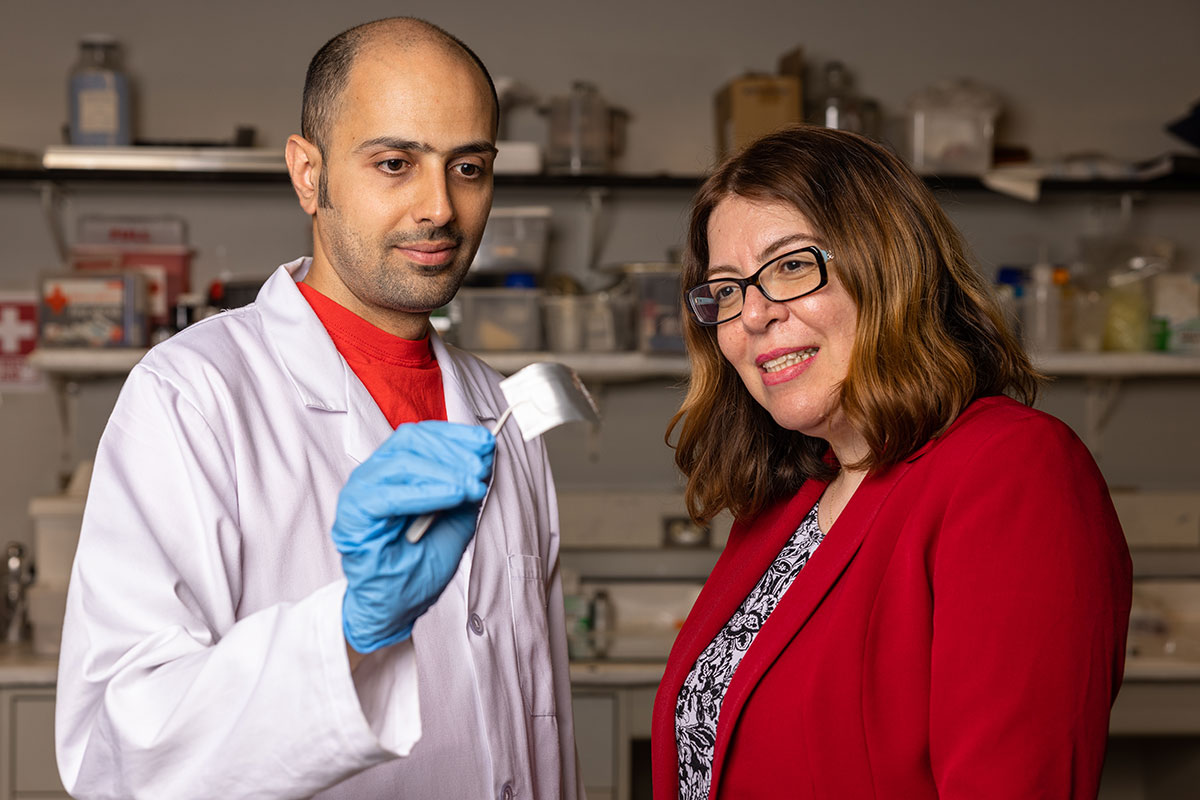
[797, 605]
[751, 549]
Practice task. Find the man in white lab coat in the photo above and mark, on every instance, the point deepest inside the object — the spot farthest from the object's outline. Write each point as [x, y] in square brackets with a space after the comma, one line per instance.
[245, 617]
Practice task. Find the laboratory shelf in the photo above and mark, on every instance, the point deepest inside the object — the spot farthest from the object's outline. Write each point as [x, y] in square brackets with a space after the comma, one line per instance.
[600, 367]
[79, 363]
[84, 363]
[139, 169]
[1118, 365]
[632, 366]
[1174, 562]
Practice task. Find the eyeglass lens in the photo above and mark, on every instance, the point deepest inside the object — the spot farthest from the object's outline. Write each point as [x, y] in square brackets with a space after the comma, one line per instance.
[787, 278]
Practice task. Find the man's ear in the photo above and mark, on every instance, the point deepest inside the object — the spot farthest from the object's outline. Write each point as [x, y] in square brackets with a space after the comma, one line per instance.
[304, 165]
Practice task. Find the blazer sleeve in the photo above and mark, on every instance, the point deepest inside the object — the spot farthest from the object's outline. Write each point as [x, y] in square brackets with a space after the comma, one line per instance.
[1031, 591]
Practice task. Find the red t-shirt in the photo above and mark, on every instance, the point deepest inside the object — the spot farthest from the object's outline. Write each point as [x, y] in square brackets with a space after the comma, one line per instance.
[402, 375]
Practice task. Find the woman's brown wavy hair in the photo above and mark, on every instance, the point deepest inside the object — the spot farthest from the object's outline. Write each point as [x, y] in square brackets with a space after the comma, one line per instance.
[931, 337]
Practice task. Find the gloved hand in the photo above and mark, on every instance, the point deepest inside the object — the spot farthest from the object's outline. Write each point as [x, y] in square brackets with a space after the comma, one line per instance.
[423, 467]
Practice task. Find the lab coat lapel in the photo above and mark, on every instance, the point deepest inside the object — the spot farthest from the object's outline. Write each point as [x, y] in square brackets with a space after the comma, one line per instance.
[322, 379]
[818, 576]
[470, 401]
[467, 401]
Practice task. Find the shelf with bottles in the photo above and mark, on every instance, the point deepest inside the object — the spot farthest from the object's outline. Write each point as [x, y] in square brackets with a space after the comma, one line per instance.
[84, 363]
[76, 364]
[1118, 365]
[613, 181]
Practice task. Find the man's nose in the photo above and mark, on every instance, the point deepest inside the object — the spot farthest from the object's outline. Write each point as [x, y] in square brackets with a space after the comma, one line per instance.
[433, 204]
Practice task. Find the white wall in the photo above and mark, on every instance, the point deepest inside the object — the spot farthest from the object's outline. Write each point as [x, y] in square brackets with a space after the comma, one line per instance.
[1076, 76]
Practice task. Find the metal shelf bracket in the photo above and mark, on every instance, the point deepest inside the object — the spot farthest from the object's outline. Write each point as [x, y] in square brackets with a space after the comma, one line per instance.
[53, 200]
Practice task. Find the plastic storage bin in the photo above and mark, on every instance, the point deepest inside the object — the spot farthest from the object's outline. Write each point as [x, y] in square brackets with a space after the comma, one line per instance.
[498, 319]
[657, 306]
[514, 240]
[951, 128]
[598, 323]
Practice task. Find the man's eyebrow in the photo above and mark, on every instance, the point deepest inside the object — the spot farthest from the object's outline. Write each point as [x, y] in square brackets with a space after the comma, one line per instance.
[482, 146]
[412, 146]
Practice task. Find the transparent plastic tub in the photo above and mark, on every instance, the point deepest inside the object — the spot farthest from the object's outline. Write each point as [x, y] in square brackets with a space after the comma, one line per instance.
[498, 319]
[514, 240]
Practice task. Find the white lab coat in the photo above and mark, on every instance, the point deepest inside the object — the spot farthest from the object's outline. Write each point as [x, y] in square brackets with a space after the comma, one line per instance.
[202, 652]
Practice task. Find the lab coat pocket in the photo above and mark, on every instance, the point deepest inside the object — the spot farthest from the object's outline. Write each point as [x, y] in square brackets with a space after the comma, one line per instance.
[530, 634]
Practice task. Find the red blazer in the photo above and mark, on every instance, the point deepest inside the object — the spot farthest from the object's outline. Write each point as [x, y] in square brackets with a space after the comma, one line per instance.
[960, 633]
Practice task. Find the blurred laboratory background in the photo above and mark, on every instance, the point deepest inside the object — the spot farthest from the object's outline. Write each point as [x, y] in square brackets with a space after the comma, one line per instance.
[144, 141]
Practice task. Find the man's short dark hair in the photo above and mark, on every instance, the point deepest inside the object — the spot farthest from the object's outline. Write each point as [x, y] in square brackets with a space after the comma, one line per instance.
[329, 72]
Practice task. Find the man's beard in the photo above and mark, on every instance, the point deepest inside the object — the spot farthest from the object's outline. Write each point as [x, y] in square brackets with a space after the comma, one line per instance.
[385, 279]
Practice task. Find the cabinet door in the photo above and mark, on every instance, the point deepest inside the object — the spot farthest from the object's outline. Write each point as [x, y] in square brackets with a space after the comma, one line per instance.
[595, 741]
[27, 761]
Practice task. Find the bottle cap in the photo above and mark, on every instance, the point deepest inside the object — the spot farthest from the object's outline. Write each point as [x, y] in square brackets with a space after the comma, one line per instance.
[520, 280]
[1014, 276]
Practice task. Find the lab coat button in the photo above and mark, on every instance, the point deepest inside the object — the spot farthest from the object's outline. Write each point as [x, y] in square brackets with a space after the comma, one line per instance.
[476, 625]
[507, 792]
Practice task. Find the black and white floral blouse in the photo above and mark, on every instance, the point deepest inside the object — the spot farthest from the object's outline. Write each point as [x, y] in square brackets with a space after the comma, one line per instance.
[703, 691]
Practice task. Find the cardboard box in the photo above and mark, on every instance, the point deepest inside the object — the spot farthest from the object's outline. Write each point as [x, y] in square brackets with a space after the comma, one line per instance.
[753, 105]
[93, 310]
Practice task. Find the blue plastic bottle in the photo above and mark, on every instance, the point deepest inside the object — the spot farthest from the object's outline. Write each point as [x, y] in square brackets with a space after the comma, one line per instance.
[99, 99]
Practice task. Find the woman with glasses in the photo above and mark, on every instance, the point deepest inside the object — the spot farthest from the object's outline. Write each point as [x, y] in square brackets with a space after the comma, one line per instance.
[926, 591]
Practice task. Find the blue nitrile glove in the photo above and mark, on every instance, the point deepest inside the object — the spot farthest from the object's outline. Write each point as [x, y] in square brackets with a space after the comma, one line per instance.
[423, 467]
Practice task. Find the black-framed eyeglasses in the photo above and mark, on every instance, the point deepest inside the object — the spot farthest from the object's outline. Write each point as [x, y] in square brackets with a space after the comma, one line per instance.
[786, 277]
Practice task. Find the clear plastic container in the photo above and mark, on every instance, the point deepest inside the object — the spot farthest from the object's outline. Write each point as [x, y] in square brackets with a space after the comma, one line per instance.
[514, 240]
[952, 128]
[657, 306]
[601, 322]
[498, 319]
[99, 98]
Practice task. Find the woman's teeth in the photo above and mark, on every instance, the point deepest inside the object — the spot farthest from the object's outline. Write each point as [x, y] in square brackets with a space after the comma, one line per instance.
[785, 361]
